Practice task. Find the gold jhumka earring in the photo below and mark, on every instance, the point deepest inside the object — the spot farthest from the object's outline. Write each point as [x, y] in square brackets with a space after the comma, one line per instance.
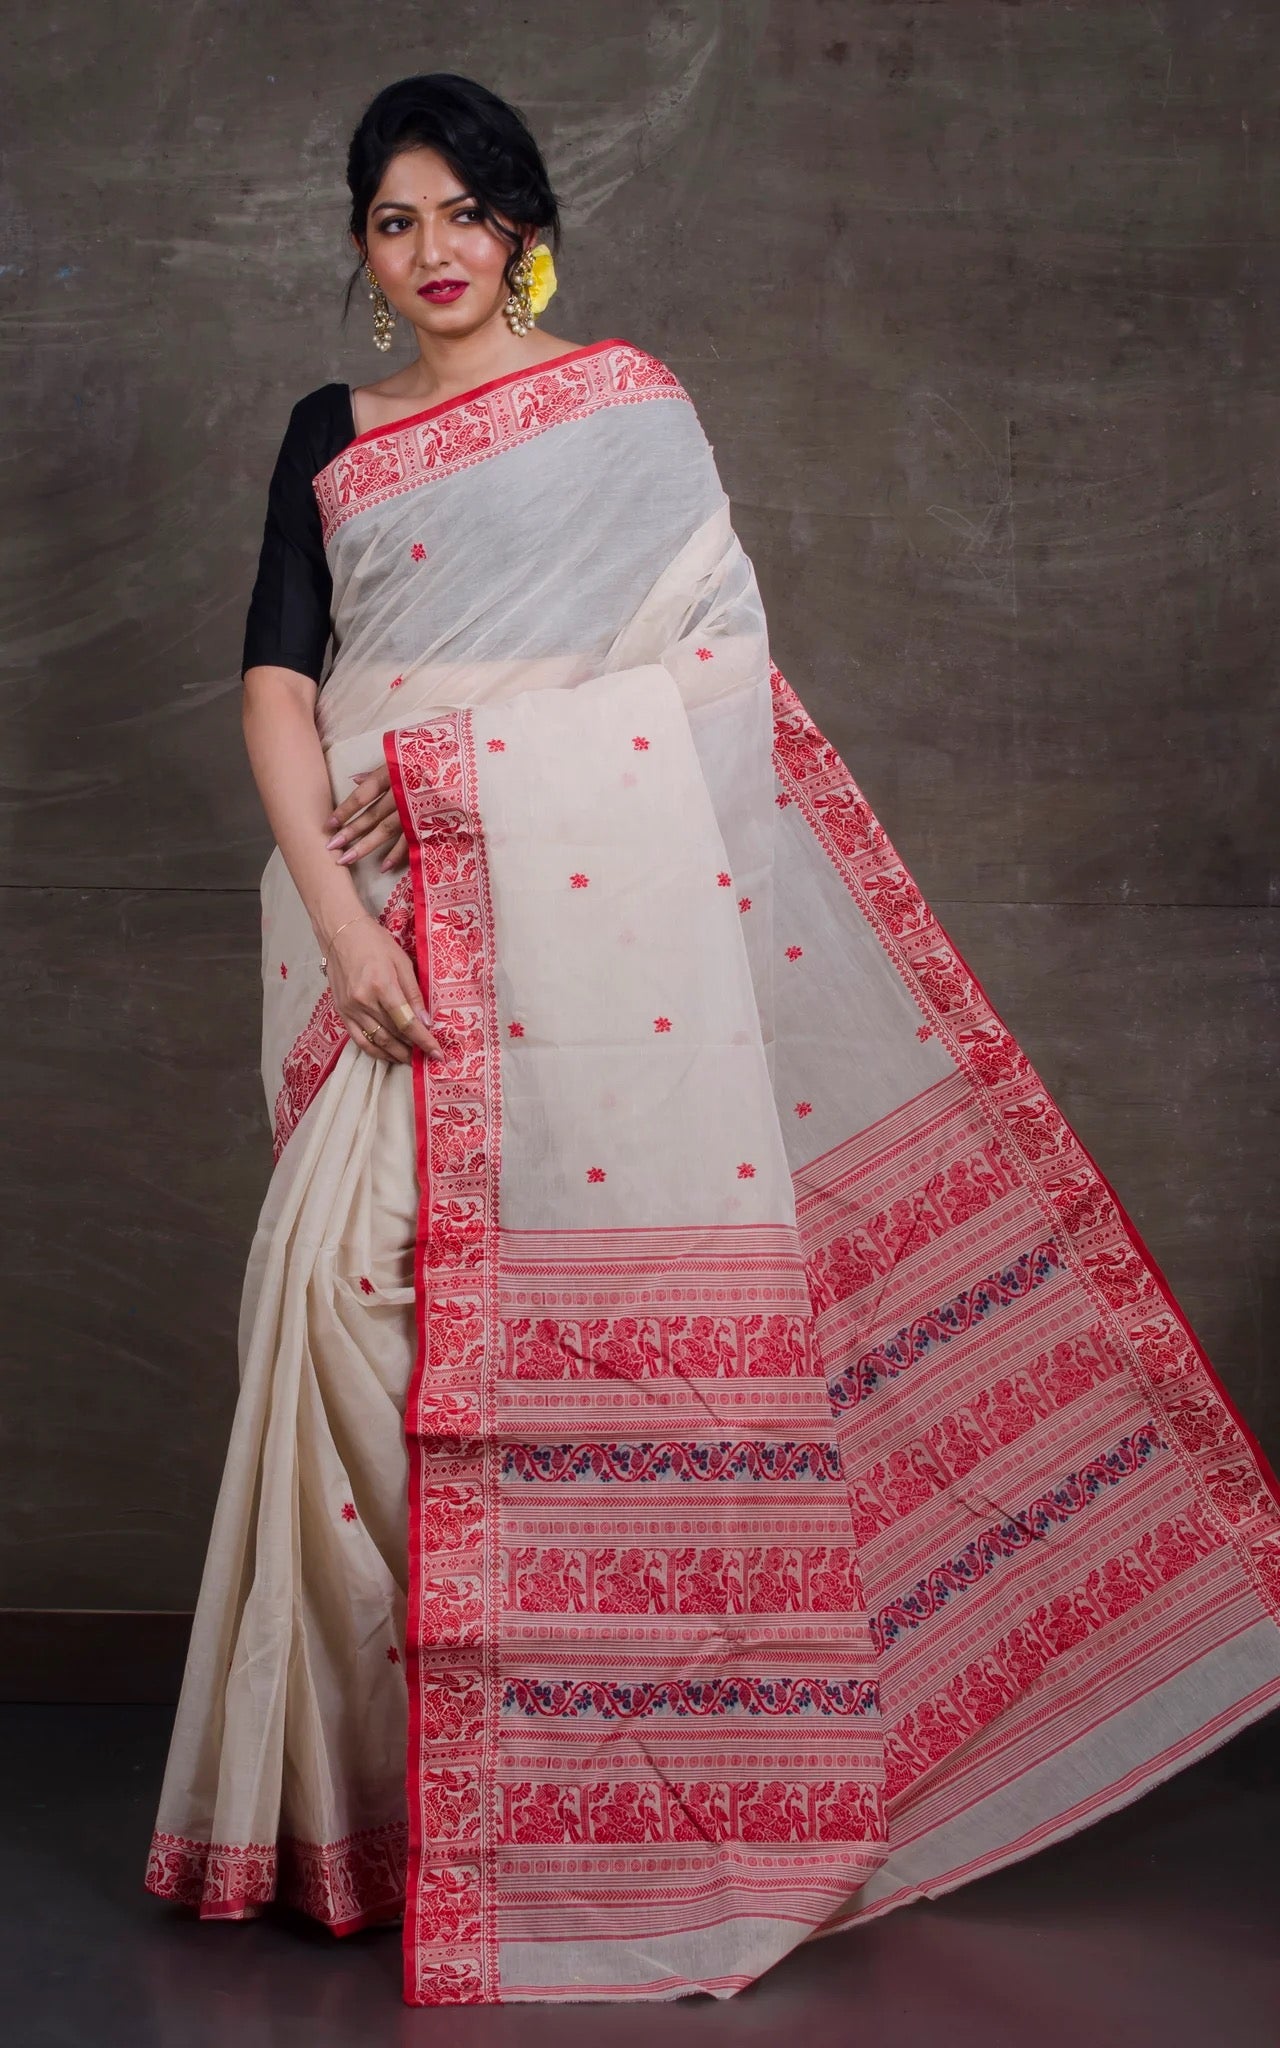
[533, 282]
[383, 317]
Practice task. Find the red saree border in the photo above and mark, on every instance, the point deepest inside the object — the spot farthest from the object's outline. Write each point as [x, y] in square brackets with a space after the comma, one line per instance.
[451, 1623]
[1221, 1455]
[429, 412]
[314, 1053]
[376, 468]
[356, 1881]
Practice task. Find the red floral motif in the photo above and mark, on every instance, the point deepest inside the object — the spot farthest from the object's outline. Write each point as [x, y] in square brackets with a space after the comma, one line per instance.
[804, 1109]
[395, 682]
[551, 1581]
[704, 654]
[771, 1578]
[772, 1813]
[457, 1139]
[847, 1812]
[515, 1030]
[284, 972]
[744, 903]
[776, 1346]
[449, 1905]
[724, 880]
[450, 1806]
[708, 1581]
[437, 1981]
[774, 1579]
[543, 1813]
[662, 1023]
[456, 941]
[348, 1511]
[541, 1351]
[746, 1171]
[630, 1580]
[794, 952]
[694, 1347]
[450, 1612]
[782, 799]
[579, 881]
[393, 1655]
[924, 1031]
[366, 1285]
[355, 1882]
[452, 1706]
[625, 1813]
[621, 1347]
[418, 552]
[595, 1173]
[640, 743]
[452, 1518]
[497, 746]
[700, 1812]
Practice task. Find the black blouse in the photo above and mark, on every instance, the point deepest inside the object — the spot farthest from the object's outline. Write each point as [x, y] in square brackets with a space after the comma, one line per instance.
[289, 612]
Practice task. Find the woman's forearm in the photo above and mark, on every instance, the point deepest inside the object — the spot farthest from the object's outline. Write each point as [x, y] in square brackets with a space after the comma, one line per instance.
[293, 781]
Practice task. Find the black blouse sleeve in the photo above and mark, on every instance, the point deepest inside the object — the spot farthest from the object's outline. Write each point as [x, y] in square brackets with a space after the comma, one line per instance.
[288, 623]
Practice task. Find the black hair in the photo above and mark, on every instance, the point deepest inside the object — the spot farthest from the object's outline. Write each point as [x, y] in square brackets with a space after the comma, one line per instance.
[483, 139]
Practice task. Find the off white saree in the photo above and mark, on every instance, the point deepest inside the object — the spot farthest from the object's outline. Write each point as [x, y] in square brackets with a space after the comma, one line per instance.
[714, 1460]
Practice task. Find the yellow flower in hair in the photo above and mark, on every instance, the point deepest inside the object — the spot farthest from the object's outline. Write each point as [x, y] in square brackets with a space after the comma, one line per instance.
[542, 280]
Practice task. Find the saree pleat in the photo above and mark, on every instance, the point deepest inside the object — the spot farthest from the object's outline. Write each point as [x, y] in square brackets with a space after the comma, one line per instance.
[714, 1459]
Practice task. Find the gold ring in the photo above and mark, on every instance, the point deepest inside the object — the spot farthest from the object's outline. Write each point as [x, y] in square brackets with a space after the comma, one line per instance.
[403, 1013]
[374, 1030]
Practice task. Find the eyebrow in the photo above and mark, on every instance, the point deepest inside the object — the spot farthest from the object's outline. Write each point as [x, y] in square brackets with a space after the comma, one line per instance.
[407, 205]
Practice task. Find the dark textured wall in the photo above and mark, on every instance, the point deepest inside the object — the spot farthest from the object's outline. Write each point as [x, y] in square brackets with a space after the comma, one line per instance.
[977, 302]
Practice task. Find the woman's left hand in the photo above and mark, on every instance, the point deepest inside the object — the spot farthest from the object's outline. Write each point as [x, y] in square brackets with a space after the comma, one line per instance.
[367, 821]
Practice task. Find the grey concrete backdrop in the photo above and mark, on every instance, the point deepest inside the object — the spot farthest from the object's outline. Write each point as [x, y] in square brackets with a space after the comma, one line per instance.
[978, 305]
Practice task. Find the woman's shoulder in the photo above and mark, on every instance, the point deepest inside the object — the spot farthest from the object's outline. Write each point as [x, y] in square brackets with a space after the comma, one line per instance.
[317, 408]
[319, 426]
[645, 369]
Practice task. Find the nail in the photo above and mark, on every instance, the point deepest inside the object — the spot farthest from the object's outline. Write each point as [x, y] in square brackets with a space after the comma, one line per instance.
[345, 859]
[336, 840]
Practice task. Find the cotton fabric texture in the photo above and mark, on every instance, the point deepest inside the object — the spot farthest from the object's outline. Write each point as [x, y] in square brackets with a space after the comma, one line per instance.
[714, 1461]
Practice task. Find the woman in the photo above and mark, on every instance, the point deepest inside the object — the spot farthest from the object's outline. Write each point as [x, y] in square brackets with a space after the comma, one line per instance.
[714, 1461]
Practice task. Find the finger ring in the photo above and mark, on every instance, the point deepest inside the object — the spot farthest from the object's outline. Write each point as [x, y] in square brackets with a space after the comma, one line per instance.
[403, 1013]
[374, 1030]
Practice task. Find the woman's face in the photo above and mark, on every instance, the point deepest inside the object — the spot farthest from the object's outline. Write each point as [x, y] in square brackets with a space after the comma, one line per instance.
[422, 229]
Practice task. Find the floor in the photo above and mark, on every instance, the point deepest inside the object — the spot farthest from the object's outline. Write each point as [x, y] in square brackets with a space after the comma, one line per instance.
[1160, 1926]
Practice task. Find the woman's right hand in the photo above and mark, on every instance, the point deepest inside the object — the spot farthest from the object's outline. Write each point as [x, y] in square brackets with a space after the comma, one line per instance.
[376, 993]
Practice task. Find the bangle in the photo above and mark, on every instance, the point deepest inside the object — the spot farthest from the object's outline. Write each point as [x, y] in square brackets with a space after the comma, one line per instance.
[324, 957]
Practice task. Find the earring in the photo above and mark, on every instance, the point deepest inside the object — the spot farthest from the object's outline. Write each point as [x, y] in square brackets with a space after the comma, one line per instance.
[383, 317]
[518, 309]
[533, 284]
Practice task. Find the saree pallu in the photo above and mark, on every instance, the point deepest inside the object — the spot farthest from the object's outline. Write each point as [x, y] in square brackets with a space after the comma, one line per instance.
[714, 1460]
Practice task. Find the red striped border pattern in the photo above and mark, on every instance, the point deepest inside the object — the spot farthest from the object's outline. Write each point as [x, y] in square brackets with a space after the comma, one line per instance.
[1226, 1465]
[376, 468]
